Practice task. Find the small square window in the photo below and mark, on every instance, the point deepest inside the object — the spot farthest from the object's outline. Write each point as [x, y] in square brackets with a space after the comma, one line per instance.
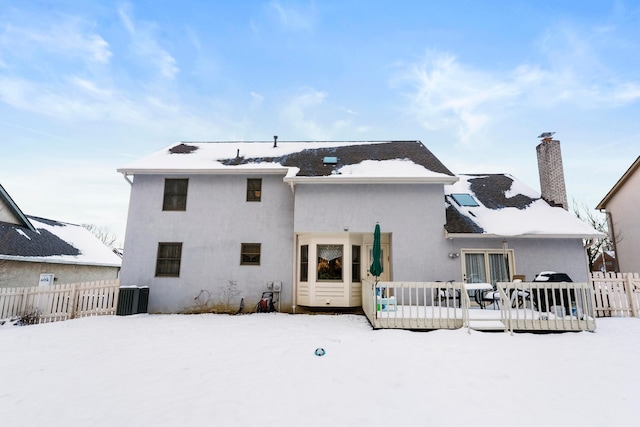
[250, 254]
[465, 199]
[175, 194]
[254, 189]
[168, 261]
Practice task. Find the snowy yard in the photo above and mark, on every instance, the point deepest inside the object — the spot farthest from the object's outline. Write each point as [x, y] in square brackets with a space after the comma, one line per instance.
[260, 369]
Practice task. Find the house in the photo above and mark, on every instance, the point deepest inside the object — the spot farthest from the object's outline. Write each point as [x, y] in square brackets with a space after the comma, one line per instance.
[604, 262]
[211, 218]
[620, 205]
[37, 251]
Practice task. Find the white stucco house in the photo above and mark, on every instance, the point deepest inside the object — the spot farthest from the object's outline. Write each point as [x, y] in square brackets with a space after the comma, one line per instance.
[36, 251]
[621, 206]
[302, 214]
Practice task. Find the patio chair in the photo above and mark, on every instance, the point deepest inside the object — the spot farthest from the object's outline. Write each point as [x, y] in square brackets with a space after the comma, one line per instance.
[447, 294]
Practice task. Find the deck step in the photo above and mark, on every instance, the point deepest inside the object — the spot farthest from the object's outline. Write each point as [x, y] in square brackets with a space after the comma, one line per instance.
[487, 325]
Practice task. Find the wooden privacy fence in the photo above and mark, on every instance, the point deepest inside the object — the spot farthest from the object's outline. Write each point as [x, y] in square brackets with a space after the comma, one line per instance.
[60, 302]
[616, 294]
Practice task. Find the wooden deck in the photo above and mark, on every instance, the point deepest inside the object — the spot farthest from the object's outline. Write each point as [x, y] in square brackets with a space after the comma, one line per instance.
[538, 306]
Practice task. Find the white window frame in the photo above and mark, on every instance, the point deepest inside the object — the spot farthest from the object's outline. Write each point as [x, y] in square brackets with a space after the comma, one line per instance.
[511, 261]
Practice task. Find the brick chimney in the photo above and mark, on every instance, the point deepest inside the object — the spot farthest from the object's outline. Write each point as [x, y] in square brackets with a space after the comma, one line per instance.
[551, 172]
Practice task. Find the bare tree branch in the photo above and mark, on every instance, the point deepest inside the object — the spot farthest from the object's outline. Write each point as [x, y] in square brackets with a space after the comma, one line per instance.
[103, 234]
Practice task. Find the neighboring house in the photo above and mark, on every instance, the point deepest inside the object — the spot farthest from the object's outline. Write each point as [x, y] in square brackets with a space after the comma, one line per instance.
[621, 206]
[302, 214]
[605, 262]
[36, 251]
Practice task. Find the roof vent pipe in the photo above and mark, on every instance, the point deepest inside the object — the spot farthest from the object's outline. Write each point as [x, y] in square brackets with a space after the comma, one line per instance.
[275, 141]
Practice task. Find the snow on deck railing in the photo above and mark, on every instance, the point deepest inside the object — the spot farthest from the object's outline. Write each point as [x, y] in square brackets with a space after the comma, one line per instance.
[413, 305]
[60, 302]
[538, 306]
[547, 306]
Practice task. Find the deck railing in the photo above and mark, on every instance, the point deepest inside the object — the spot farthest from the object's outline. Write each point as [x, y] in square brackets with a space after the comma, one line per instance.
[531, 306]
[547, 306]
[413, 305]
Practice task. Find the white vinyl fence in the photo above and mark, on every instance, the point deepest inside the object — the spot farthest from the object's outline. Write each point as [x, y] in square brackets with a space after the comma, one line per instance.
[616, 294]
[60, 302]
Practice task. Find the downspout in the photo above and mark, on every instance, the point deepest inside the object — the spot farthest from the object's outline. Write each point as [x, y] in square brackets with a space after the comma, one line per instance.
[294, 281]
[614, 240]
[294, 296]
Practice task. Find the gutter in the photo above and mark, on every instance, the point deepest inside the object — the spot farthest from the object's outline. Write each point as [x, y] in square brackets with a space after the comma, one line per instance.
[522, 236]
[342, 179]
[57, 261]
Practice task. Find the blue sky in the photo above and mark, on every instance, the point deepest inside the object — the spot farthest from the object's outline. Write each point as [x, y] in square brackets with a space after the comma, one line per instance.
[86, 87]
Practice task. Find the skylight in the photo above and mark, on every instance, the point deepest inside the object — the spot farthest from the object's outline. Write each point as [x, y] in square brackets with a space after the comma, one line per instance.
[464, 199]
[330, 160]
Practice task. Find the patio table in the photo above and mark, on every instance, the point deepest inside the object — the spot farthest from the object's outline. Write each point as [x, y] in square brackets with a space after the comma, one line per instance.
[478, 288]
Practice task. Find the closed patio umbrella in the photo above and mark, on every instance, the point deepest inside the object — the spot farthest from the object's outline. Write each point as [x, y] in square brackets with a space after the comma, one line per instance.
[376, 265]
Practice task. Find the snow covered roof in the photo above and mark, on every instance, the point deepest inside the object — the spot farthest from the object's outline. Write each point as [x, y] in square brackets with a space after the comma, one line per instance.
[507, 208]
[54, 242]
[311, 161]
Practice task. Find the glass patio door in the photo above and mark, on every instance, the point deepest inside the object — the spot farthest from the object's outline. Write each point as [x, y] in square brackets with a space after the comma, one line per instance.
[488, 266]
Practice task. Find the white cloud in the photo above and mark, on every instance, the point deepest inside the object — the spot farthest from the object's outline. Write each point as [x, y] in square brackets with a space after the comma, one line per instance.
[445, 93]
[256, 100]
[298, 111]
[310, 113]
[293, 19]
[67, 37]
[448, 94]
[145, 45]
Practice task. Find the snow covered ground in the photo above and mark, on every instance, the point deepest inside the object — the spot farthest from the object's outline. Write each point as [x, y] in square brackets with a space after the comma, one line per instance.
[260, 370]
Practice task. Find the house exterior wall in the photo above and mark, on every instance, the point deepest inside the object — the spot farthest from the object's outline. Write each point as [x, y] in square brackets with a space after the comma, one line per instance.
[533, 255]
[26, 274]
[623, 208]
[412, 215]
[217, 220]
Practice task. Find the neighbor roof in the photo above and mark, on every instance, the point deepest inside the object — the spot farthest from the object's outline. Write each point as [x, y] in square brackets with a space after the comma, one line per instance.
[355, 161]
[619, 184]
[507, 208]
[6, 200]
[54, 242]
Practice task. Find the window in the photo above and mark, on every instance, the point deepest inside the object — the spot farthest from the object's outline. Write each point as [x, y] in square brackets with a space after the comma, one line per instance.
[250, 254]
[304, 263]
[355, 263]
[168, 261]
[254, 189]
[465, 200]
[175, 194]
[330, 262]
[488, 266]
